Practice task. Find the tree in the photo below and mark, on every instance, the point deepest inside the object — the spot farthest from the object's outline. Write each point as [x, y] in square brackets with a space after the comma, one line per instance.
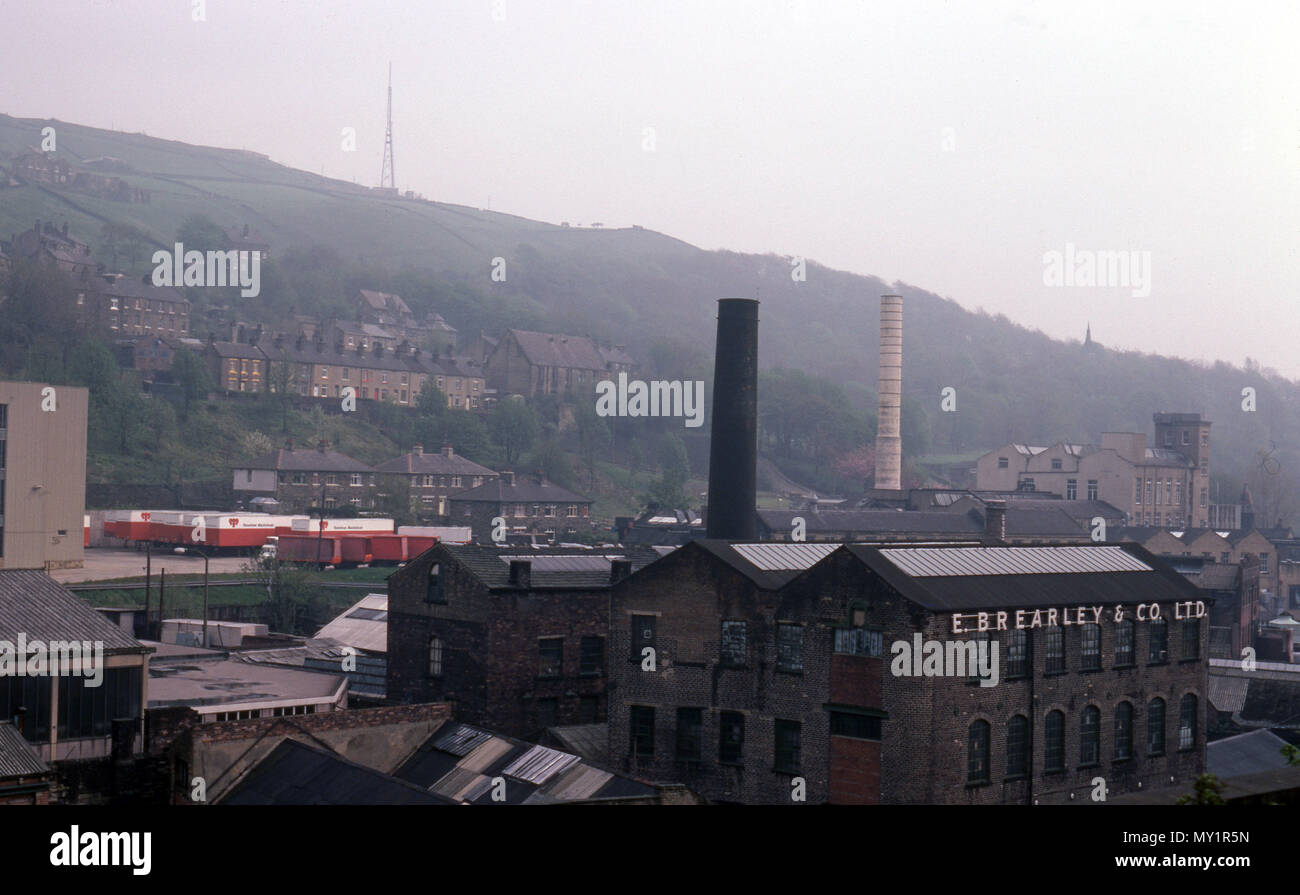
[668, 491]
[594, 438]
[198, 232]
[123, 242]
[514, 426]
[293, 603]
[1207, 790]
[192, 376]
[432, 401]
[553, 462]
[279, 383]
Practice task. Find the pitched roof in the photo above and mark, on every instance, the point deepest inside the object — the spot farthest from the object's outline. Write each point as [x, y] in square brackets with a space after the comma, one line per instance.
[363, 625]
[235, 349]
[526, 489]
[436, 463]
[384, 301]
[34, 604]
[17, 758]
[306, 460]
[132, 287]
[294, 773]
[552, 567]
[559, 350]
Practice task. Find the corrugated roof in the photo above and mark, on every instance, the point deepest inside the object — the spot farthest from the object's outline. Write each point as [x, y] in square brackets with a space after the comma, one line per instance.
[926, 562]
[599, 562]
[17, 758]
[539, 764]
[1228, 694]
[461, 740]
[34, 604]
[784, 557]
[294, 773]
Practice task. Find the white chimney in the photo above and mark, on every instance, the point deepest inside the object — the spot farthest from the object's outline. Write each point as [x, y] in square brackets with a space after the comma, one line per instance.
[889, 444]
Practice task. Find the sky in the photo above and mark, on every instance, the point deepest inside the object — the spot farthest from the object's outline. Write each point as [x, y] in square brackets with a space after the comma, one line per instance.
[951, 146]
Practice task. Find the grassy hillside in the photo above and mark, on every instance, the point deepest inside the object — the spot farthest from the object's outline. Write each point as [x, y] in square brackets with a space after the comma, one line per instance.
[644, 289]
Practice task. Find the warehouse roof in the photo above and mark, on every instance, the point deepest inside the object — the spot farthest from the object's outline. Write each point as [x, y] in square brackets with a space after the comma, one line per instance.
[294, 773]
[363, 626]
[552, 567]
[35, 605]
[17, 758]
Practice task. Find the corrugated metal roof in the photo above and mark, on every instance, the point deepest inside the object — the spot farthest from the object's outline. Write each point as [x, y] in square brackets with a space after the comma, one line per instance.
[34, 604]
[929, 562]
[784, 557]
[16, 757]
[485, 754]
[581, 782]
[462, 740]
[458, 782]
[1228, 694]
[539, 764]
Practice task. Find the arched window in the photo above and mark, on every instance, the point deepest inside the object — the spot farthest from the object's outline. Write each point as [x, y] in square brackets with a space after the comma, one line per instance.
[1018, 746]
[1124, 730]
[1187, 722]
[434, 592]
[1054, 735]
[435, 656]
[1090, 736]
[978, 753]
[1156, 727]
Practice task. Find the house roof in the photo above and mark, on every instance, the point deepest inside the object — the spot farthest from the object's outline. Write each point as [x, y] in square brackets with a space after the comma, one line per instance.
[17, 758]
[34, 604]
[435, 463]
[132, 287]
[306, 460]
[526, 489]
[384, 301]
[294, 773]
[235, 349]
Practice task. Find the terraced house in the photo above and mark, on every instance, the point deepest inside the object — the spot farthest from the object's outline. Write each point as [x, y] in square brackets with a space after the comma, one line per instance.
[533, 363]
[298, 477]
[775, 674]
[433, 477]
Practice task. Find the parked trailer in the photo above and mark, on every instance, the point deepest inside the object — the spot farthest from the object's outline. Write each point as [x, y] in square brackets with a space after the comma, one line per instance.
[303, 525]
[446, 534]
[129, 525]
[309, 548]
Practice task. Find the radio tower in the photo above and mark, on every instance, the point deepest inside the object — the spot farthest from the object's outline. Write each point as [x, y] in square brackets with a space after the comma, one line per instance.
[386, 176]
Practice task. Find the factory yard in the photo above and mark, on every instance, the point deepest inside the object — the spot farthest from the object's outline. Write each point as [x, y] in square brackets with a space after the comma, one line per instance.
[109, 562]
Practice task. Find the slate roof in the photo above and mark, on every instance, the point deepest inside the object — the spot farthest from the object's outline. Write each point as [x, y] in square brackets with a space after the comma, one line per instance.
[306, 460]
[459, 762]
[294, 773]
[384, 301]
[17, 758]
[1217, 576]
[434, 463]
[559, 350]
[235, 349]
[1245, 753]
[526, 489]
[586, 740]
[34, 604]
[490, 565]
[131, 287]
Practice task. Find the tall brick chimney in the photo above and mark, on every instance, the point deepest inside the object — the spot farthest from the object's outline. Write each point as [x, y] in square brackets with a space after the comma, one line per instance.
[889, 444]
[733, 443]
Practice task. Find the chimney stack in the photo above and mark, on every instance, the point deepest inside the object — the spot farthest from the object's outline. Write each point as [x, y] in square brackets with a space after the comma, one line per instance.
[995, 520]
[889, 444]
[418, 450]
[733, 443]
[446, 451]
[619, 569]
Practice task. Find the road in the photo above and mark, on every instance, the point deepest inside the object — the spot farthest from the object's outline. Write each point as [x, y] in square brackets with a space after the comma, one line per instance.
[108, 562]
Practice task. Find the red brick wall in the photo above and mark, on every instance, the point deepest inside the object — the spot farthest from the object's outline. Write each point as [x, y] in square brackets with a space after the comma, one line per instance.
[855, 680]
[855, 772]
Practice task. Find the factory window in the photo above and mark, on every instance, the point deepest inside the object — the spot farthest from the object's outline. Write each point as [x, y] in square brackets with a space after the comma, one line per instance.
[87, 711]
[977, 768]
[1092, 489]
[1225, 557]
[788, 749]
[643, 634]
[1157, 641]
[641, 731]
[1187, 722]
[1156, 727]
[1054, 739]
[548, 712]
[1002, 463]
[1018, 746]
[1123, 731]
[347, 373]
[1017, 653]
[1055, 650]
[1137, 493]
[1056, 464]
[1263, 564]
[551, 653]
[591, 657]
[734, 647]
[855, 725]
[434, 592]
[690, 724]
[982, 647]
[731, 737]
[1205, 439]
[859, 641]
[1124, 643]
[435, 656]
[1071, 489]
[1090, 640]
[1090, 736]
[1025, 484]
[1191, 638]
[789, 648]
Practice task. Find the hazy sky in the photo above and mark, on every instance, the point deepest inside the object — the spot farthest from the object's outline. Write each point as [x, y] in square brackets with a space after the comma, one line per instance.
[948, 145]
